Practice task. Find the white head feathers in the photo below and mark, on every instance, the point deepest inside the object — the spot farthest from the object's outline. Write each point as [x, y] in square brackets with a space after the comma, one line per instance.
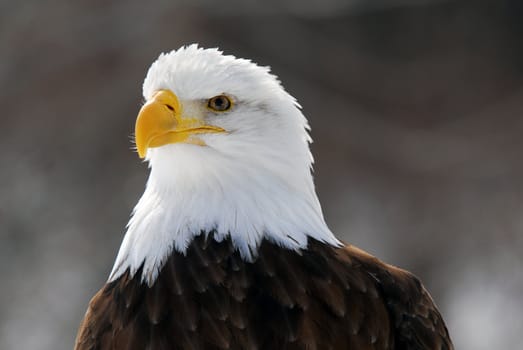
[251, 183]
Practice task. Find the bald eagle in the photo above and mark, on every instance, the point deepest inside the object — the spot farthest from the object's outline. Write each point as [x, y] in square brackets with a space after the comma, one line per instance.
[228, 248]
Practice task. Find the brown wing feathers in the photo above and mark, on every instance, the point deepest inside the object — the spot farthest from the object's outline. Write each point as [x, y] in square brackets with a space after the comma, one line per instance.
[319, 298]
[416, 320]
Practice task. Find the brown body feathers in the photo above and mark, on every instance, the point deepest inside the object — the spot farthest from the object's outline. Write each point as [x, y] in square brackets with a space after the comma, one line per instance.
[321, 297]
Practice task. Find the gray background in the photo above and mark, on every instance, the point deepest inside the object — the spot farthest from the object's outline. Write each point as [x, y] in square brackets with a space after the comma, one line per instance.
[415, 109]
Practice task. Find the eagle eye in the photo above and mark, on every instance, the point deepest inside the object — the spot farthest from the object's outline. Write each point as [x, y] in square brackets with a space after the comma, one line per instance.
[220, 103]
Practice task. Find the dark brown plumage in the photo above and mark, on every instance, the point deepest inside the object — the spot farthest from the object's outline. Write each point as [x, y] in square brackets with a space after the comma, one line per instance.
[321, 297]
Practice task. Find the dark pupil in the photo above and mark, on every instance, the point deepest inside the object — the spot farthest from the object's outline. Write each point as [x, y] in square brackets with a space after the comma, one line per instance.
[219, 102]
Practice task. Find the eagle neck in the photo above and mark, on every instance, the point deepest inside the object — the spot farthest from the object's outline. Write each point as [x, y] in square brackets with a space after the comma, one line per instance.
[246, 209]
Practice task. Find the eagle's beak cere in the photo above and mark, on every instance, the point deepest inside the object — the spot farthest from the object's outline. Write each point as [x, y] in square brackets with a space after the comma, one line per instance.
[161, 122]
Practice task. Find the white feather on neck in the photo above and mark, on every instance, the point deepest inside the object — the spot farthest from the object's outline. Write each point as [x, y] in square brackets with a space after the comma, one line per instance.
[249, 204]
[251, 184]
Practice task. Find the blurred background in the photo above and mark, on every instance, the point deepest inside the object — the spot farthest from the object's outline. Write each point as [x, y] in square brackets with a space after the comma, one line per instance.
[416, 112]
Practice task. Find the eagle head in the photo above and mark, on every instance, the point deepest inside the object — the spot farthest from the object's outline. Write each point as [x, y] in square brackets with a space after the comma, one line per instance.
[206, 112]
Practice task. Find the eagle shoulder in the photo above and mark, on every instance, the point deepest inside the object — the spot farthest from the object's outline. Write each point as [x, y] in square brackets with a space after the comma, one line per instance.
[416, 321]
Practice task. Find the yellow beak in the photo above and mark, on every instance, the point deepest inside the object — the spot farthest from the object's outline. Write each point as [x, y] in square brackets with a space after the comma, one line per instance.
[160, 122]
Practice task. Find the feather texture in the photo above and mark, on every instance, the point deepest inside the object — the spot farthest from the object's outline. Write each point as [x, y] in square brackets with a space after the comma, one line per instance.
[323, 297]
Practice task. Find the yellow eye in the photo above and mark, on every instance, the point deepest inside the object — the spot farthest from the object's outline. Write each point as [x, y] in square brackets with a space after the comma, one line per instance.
[220, 103]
